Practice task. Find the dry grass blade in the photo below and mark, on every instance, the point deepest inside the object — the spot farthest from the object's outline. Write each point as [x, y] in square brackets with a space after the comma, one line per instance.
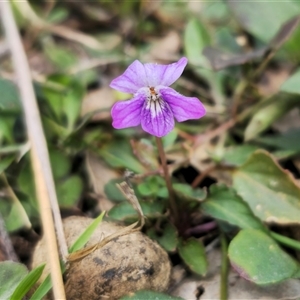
[129, 194]
[131, 197]
[45, 188]
[86, 251]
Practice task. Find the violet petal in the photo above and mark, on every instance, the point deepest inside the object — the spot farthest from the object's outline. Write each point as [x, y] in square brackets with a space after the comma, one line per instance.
[132, 79]
[128, 113]
[183, 108]
[164, 74]
[157, 118]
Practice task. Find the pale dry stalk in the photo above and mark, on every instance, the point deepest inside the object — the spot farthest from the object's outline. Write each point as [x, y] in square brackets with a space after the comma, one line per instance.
[45, 188]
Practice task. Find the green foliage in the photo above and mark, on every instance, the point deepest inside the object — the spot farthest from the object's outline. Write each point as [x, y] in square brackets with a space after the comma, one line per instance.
[167, 238]
[46, 285]
[236, 37]
[149, 295]
[42, 290]
[125, 212]
[9, 101]
[256, 16]
[285, 141]
[112, 192]
[258, 258]
[27, 283]
[196, 38]
[11, 274]
[193, 254]
[224, 204]
[266, 116]
[237, 155]
[292, 84]
[87, 233]
[119, 155]
[271, 192]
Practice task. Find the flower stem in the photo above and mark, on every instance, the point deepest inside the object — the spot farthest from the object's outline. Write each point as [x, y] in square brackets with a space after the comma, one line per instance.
[286, 241]
[162, 155]
[224, 268]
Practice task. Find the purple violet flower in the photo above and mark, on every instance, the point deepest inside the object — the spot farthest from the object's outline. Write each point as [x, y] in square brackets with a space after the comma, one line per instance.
[154, 104]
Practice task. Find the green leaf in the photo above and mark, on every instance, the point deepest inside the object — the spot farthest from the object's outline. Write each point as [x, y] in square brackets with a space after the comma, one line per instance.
[119, 154]
[11, 274]
[54, 99]
[72, 105]
[5, 162]
[258, 258]
[64, 103]
[169, 139]
[43, 289]
[193, 254]
[63, 58]
[196, 38]
[112, 192]
[7, 123]
[85, 236]
[17, 217]
[291, 85]
[125, 211]
[60, 163]
[27, 283]
[184, 193]
[150, 186]
[167, 238]
[286, 141]
[45, 286]
[215, 12]
[256, 16]
[267, 115]
[53, 129]
[270, 191]
[239, 154]
[9, 100]
[57, 15]
[224, 204]
[149, 295]
[69, 191]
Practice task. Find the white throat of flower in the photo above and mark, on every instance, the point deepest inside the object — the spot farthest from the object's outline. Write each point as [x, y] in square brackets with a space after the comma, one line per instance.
[155, 103]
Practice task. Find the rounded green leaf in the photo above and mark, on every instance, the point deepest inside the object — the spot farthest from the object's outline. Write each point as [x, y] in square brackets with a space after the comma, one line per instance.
[167, 238]
[258, 258]
[60, 164]
[149, 295]
[69, 191]
[112, 192]
[193, 254]
[270, 191]
[9, 100]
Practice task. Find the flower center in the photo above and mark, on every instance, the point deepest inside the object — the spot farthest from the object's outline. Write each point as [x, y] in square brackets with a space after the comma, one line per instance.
[155, 103]
[153, 95]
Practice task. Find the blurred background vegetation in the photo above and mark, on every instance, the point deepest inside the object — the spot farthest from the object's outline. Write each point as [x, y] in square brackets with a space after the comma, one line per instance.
[243, 65]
